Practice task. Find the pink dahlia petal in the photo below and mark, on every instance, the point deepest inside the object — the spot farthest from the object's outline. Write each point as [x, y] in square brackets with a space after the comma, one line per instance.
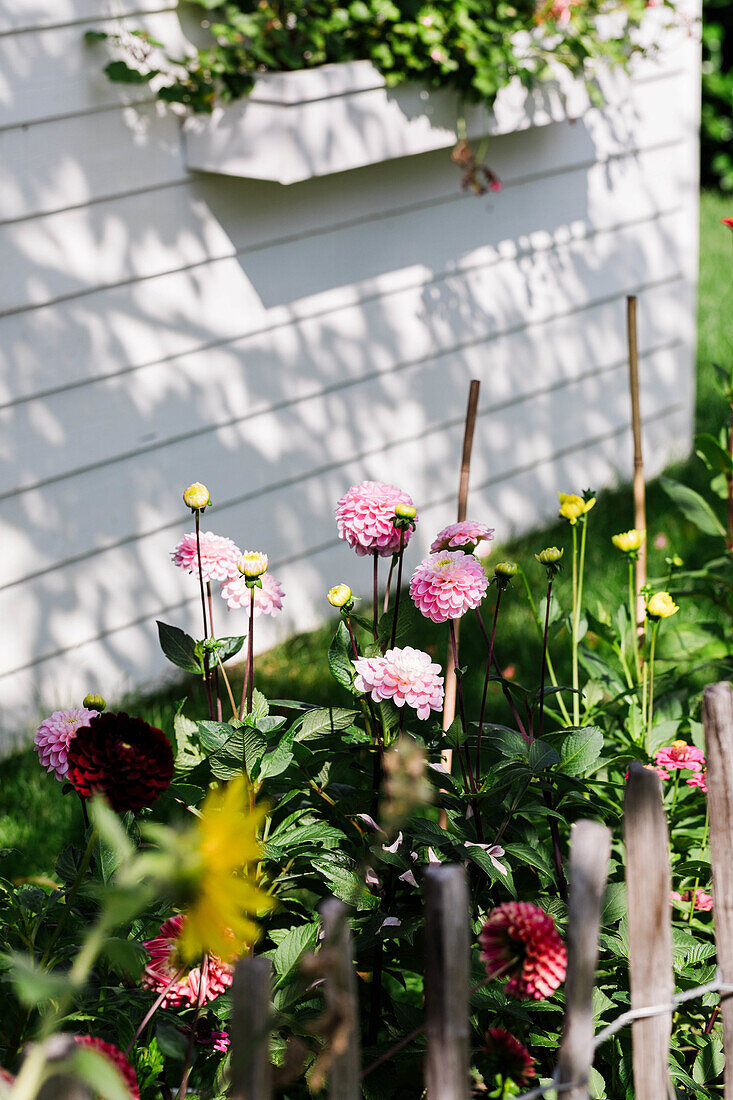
[218, 556]
[447, 585]
[54, 736]
[163, 970]
[703, 901]
[699, 780]
[364, 517]
[406, 676]
[680, 755]
[520, 942]
[461, 536]
[268, 599]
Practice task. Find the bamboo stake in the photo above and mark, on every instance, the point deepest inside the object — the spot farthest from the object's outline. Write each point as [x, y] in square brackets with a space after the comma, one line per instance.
[717, 720]
[250, 1072]
[590, 848]
[344, 1080]
[449, 702]
[447, 958]
[639, 486]
[650, 929]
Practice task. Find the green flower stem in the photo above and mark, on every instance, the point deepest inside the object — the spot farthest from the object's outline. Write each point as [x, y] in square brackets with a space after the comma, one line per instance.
[632, 619]
[217, 690]
[578, 571]
[644, 678]
[675, 791]
[385, 605]
[207, 681]
[650, 709]
[461, 706]
[375, 615]
[228, 686]
[486, 687]
[400, 556]
[702, 852]
[544, 658]
[248, 684]
[550, 667]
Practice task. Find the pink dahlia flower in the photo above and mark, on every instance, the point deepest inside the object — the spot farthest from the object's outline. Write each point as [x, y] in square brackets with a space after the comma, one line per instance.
[703, 901]
[699, 779]
[447, 585]
[365, 515]
[165, 963]
[404, 676]
[680, 755]
[520, 941]
[268, 599]
[459, 536]
[218, 556]
[508, 1057]
[54, 736]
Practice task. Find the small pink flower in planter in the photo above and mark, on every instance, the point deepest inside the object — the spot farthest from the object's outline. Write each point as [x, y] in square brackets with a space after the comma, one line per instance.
[447, 585]
[703, 901]
[406, 676]
[679, 755]
[54, 736]
[364, 517]
[164, 965]
[460, 536]
[268, 599]
[218, 556]
[520, 941]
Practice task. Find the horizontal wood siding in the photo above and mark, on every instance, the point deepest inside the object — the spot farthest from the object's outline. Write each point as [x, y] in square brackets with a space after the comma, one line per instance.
[282, 343]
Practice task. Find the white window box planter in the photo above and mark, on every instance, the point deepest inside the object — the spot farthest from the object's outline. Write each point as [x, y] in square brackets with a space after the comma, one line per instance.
[299, 125]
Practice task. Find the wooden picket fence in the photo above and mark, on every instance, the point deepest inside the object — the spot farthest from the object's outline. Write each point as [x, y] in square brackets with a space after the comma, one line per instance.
[448, 949]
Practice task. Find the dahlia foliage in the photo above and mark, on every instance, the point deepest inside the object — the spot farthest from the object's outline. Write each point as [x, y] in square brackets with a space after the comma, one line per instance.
[215, 831]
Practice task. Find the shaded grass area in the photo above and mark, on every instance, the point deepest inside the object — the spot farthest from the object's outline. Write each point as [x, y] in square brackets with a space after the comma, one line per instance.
[37, 819]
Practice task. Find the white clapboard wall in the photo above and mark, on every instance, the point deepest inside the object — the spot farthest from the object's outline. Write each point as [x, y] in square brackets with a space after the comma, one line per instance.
[281, 343]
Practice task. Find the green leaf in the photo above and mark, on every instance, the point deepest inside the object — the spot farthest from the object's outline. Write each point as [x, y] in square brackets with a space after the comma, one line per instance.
[541, 756]
[694, 507]
[179, 648]
[579, 750]
[324, 720]
[347, 886]
[111, 830]
[213, 735]
[339, 658]
[710, 1061]
[260, 706]
[292, 947]
[92, 37]
[228, 647]
[712, 454]
[188, 755]
[535, 857]
[33, 985]
[121, 73]
[125, 955]
[275, 763]
[317, 834]
[455, 735]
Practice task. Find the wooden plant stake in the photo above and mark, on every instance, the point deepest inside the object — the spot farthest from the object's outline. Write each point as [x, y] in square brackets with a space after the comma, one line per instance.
[449, 701]
[648, 883]
[447, 957]
[639, 487]
[590, 848]
[250, 1073]
[341, 1000]
[717, 720]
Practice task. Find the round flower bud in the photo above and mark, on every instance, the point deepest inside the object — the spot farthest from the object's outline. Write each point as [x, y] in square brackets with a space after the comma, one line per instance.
[252, 564]
[549, 556]
[405, 511]
[661, 606]
[629, 542]
[505, 568]
[572, 507]
[94, 702]
[196, 497]
[339, 595]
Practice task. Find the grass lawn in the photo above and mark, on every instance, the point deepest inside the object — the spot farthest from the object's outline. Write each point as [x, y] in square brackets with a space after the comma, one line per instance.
[37, 820]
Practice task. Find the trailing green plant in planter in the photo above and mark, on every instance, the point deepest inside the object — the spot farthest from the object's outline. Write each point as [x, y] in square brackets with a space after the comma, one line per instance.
[474, 46]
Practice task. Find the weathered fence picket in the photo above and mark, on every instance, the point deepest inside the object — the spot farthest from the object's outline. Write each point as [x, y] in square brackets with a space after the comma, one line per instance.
[250, 1072]
[342, 1002]
[447, 958]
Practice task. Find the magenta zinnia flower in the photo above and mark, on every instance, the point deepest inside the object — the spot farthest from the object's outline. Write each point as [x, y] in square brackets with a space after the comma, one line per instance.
[404, 676]
[699, 780]
[165, 963]
[680, 755]
[458, 536]
[116, 1057]
[54, 736]
[218, 556]
[703, 901]
[365, 515]
[447, 585]
[508, 1057]
[268, 599]
[521, 941]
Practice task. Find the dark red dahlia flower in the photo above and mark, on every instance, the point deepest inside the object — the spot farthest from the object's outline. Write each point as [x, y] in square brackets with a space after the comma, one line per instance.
[521, 941]
[508, 1057]
[123, 758]
[116, 1057]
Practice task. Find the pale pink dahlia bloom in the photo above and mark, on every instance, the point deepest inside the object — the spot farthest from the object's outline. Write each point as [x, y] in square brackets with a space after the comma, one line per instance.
[680, 755]
[364, 518]
[268, 599]
[165, 963]
[218, 556]
[404, 676]
[447, 585]
[54, 736]
[458, 535]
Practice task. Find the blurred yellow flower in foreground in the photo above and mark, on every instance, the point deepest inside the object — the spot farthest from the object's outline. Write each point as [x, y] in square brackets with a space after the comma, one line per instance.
[661, 606]
[630, 542]
[572, 507]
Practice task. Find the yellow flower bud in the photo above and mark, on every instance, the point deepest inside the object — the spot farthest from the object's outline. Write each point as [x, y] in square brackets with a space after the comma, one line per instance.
[252, 564]
[661, 606]
[630, 542]
[550, 556]
[505, 568]
[196, 497]
[94, 702]
[405, 511]
[339, 595]
[572, 507]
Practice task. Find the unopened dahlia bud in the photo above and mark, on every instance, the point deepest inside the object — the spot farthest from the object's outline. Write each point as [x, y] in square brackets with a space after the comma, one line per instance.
[550, 556]
[405, 511]
[196, 497]
[505, 568]
[629, 542]
[405, 786]
[252, 564]
[94, 702]
[339, 596]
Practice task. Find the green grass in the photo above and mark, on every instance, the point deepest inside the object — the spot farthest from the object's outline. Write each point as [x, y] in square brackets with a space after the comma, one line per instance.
[38, 820]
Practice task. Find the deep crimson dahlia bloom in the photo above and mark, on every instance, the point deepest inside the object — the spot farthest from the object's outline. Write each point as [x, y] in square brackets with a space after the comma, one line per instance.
[365, 518]
[125, 759]
[521, 941]
[165, 963]
[508, 1056]
[117, 1059]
